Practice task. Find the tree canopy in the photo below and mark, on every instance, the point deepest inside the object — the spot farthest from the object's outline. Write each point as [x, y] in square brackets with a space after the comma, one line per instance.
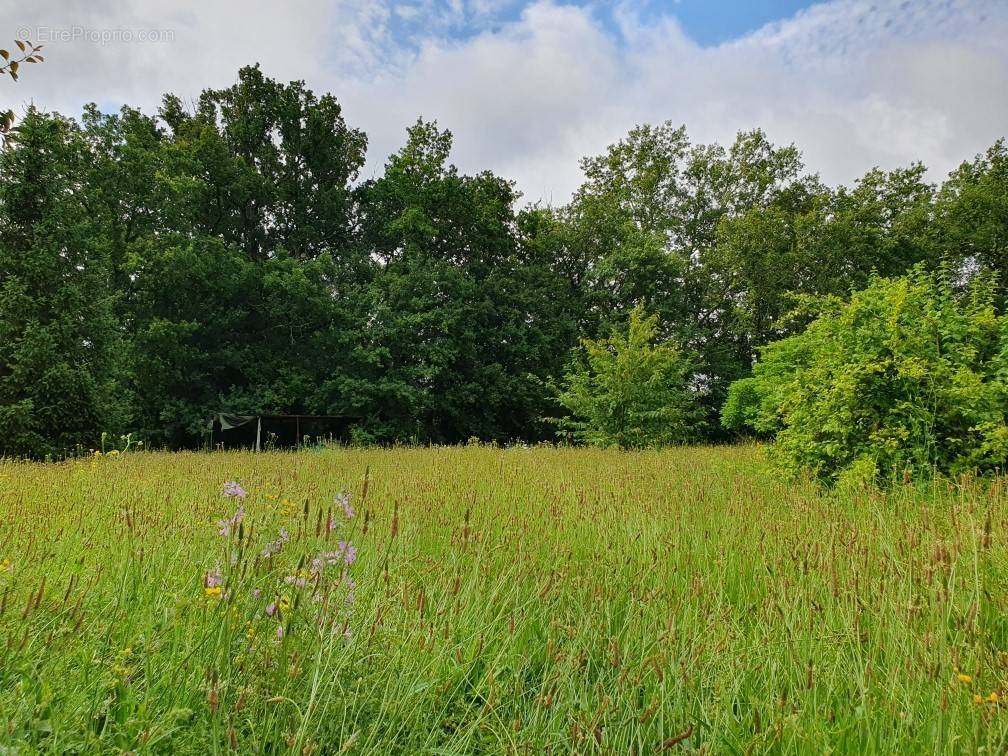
[227, 256]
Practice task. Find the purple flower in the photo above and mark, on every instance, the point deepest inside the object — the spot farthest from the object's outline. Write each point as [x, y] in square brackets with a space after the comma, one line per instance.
[271, 609]
[348, 550]
[274, 547]
[256, 593]
[342, 500]
[226, 527]
[213, 578]
[233, 488]
[280, 632]
[345, 552]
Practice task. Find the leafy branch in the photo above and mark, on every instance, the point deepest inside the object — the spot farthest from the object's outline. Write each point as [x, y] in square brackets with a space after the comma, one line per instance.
[29, 54]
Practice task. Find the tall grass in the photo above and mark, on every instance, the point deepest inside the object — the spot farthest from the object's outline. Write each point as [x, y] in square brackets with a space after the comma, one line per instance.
[506, 601]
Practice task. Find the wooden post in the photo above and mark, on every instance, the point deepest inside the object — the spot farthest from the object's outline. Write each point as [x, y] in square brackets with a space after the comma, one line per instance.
[258, 432]
[297, 432]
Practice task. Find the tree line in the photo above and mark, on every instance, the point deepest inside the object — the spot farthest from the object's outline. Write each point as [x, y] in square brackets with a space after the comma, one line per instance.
[155, 269]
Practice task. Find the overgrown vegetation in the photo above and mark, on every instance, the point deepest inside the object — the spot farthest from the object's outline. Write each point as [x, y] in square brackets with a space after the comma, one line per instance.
[630, 392]
[504, 601]
[155, 269]
[908, 377]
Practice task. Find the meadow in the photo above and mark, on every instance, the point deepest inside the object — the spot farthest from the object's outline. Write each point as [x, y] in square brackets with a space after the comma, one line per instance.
[487, 600]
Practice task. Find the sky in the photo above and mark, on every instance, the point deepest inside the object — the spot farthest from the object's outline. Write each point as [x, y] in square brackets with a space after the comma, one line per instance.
[530, 86]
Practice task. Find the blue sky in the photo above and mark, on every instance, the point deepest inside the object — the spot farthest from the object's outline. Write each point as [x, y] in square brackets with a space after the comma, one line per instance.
[711, 22]
[530, 86]
[707, 22]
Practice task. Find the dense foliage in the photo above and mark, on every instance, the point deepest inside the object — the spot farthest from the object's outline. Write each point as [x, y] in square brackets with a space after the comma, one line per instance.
[630, 392]
[155, 269]
[910, 375]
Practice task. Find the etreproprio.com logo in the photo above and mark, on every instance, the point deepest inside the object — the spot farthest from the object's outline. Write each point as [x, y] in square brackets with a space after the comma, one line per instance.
[42, 35]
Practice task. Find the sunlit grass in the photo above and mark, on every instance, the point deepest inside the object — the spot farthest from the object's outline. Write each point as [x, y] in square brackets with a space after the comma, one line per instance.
[506, 601]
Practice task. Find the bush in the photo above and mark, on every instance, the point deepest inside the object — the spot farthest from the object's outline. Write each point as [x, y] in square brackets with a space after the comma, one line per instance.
[631, 392]
[911, 375]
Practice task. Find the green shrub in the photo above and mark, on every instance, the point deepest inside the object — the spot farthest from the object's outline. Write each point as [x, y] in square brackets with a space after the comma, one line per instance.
[631, 392]
[911, 375]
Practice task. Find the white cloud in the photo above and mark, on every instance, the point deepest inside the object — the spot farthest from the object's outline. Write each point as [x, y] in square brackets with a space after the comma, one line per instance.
[853, 83]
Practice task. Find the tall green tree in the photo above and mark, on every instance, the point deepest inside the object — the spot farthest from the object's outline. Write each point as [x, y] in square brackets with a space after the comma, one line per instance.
[273, 164]
[630, 391]
[232, 231]
[461, 322]
[59, 339]
[972, 214]
[647, 219]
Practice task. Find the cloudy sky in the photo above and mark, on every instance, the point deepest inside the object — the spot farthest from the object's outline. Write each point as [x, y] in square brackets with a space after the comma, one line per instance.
[529, 87]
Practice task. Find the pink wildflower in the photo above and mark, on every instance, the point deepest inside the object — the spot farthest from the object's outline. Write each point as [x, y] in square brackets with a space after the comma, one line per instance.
[233, 488]
[226, 527]
[342, 500]
[213, 578]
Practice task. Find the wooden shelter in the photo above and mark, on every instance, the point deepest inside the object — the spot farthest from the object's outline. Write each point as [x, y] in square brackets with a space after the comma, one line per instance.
[276, 431]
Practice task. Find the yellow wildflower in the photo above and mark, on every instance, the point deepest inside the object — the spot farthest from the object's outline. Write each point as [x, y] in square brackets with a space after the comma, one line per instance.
[977, 698]
[5, 564]
[214, 591]
[993, 697]
[965, 679]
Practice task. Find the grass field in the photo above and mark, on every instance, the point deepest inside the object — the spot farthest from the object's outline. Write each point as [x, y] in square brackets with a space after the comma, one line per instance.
[501, 601]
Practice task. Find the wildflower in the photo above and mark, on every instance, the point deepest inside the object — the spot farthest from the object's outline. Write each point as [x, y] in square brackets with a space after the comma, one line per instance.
[225, 527]
[348, 550]
[274, 547]
[213, 591]
[271, 609]
[256, 593]
[345, 552]
[300, 579]
[233, 488]
[350, 584]
[113, 453]
[964, 679]
[280, 632]
[213, 579]
[993, 697]
[5, 564]
[977, 698]
[342, 500]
